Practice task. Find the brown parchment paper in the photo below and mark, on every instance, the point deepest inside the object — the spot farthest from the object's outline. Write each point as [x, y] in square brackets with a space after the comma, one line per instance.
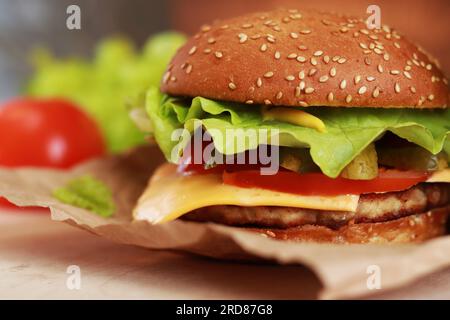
[344, 270]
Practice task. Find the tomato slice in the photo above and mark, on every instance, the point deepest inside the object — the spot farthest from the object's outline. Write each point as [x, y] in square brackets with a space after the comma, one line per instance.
[320, 184]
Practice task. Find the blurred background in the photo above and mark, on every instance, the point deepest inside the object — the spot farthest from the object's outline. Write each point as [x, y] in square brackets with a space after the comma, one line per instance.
[25, 24]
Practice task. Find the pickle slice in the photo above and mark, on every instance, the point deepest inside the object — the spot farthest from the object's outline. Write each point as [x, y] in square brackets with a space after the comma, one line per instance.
[364, 166]
[412, 158]
[298, 160]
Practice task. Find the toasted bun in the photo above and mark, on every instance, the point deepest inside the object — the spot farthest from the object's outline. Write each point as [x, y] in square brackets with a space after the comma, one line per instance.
[305, 58]
[414, 228]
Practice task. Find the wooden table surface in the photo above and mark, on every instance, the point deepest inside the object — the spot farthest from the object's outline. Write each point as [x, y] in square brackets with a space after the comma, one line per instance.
[35, 253]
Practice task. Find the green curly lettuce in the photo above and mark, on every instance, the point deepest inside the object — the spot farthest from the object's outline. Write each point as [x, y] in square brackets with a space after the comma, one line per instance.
[103, 87]
[88, 193]
[348, 130]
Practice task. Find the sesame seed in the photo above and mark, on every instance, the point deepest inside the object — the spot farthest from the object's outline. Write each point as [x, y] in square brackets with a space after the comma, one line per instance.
[413, 89]
[312, 72]
[357, 79]
[370, 78]
[397, 87]
[333, 72]
[372, 46]
[445, 81]
[225, 26]
[343, 29]
[173, 78]
[301, 59]
[306, 31]
[211, 40]
[429, 66]
[376, 92]
[271, 39]
[301, 75]
[294, 35]
[249, 102]
[259, 82]
[362, 90]
[255, 37]
[431, 97]
[341, 60]
[166, 77]
[394, 72]
[343, 84]
[295, 16]
[302, 85]
[407, 74]
[386, 56]
[318, 53]
[192, 50]
[362, 45]
[218, 54]
[205, 28]
[189, 69]
[184, 65]
[263, 47]
[207, 51]
[364, 31]
[247, 26]
[326, 59]
[335, 58]
[415, 56]
[232, 86]
[303, 47]
[380, 68]
[303, 103]
[313, 61]
[397, 45]
[286, 19]
[242, 37]
[277, 55]
[268, 74]
[330, 96]
[348, 98]
[276, 28]
[298, 91]
[367, 61]
[279, 95]
[408, 68]
[416, 62]
[326, 22]
[290, 78]
[292, 56]
[323, 78]
[267, 102]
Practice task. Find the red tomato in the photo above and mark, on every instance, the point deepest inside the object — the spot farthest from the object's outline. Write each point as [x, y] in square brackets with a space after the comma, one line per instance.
[320, 184]
[46, 133]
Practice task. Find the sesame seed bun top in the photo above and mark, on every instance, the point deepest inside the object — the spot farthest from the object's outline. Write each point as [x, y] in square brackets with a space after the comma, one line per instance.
[305, 58]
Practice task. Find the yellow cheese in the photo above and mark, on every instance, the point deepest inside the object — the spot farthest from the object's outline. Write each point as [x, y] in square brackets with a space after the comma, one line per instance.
[294, 116]
[171, 195]
[440, 176]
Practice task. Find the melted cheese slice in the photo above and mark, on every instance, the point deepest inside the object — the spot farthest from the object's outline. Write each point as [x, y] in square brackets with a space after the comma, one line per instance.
[440, 176]
[171, 195]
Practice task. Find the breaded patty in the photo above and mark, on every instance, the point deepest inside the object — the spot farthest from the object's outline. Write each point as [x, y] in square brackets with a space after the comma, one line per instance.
[374, 207]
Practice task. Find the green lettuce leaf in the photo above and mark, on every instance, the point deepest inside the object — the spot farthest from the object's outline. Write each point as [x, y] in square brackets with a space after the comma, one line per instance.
[349, 130]
[87, 193]
[104, 86]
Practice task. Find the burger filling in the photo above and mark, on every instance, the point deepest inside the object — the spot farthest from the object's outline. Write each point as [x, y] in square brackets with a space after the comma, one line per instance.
[336, 167]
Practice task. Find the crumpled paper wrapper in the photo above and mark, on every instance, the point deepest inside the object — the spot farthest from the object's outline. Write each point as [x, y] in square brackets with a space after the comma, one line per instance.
[346, 271]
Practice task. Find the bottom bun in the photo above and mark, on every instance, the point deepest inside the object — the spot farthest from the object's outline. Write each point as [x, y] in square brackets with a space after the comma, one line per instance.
[410, 229]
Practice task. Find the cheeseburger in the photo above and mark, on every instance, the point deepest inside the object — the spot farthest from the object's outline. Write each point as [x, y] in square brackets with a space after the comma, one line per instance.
[356, 120]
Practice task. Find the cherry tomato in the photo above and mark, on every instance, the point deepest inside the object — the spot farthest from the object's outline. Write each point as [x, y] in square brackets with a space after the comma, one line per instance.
[50, 133]
[320, 184]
